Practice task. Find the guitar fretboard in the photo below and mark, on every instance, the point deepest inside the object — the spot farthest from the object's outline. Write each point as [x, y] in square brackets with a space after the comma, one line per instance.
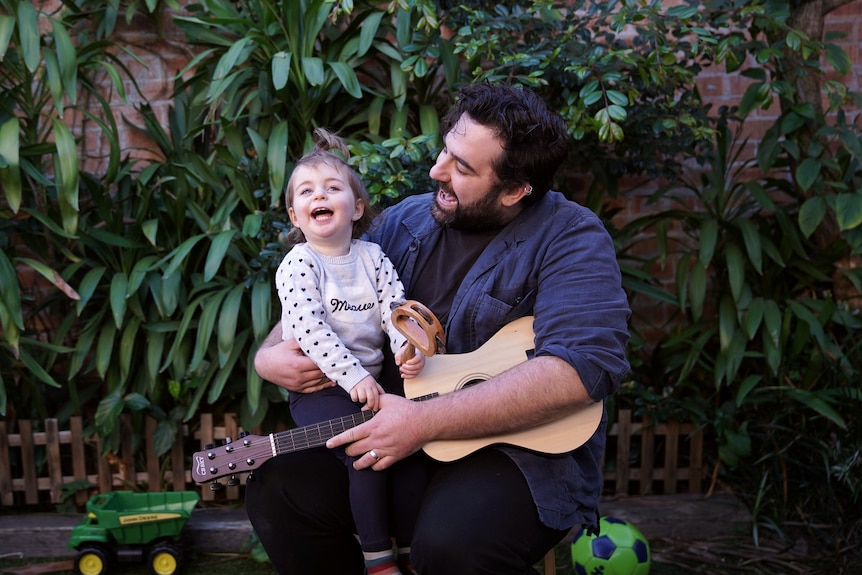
[315, 435]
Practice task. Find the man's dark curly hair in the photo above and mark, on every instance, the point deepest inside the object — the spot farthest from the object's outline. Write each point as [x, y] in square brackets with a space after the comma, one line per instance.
[534, 138]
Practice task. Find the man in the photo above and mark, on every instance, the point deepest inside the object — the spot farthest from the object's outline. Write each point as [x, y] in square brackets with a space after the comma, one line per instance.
[492, 245]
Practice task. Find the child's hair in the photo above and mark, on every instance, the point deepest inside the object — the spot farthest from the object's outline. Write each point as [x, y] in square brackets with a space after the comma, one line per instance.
[330, 150]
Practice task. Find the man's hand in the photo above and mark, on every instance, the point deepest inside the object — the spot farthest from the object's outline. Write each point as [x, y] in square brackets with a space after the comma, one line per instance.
[393, 434]
[284, 364]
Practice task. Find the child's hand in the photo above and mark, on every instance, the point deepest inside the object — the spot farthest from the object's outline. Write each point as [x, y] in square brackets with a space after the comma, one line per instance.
[367, 391]
[413, 366]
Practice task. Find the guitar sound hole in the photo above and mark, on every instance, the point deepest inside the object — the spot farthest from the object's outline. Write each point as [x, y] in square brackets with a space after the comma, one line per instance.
[472, 382]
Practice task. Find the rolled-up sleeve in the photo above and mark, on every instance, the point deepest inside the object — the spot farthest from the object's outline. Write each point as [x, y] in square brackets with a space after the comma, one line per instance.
[581, 310]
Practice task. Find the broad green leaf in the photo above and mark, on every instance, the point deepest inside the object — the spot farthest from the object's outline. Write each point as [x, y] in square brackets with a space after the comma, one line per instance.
[227, 323]
[753, 317]
[428, 119]
[52, 276]
[806, 315]
[697, 283]
[88, 286]
[84, 344]
[155, 348]
[253, 384]
[36, 369]
[745, 388]
[10, 294]
[11, 335]
[772, 321]
[751, 99]
[206, 324]
[150, 229]
[753, 246]
[708, 240]
[10, 170]
[276, 157]
[109, 411]
[7, 26]
[368, 31]
[617, 97]
[807, 173]
[28, 34]
[812, 401]
[839, 59]
[177, 256]
[280, 69]
[236, 54]
[139, 273]
[218, 248]
[261, 308]
[105, 348]
[223, 375]
[848, 210]
[170, 294]
[127, 346]
[164, 436]
[735, 269]
[67, 60]
[312, 68]
[726, 322]
[66, 165]
[398, 80]
[347, 76]
[811, 213]
[119, 291]
[55, 82]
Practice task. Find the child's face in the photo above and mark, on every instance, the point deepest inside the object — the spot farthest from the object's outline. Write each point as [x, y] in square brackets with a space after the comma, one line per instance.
[324, 207]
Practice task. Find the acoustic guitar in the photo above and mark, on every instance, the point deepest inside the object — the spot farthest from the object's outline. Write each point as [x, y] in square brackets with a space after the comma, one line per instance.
[442, 374]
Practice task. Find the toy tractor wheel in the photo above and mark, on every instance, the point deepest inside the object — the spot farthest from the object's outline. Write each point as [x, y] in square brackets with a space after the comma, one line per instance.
[165, 559]
[91, 560]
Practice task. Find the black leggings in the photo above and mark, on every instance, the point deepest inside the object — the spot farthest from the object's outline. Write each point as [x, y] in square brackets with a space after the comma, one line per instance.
[384, 504]
[477, 517]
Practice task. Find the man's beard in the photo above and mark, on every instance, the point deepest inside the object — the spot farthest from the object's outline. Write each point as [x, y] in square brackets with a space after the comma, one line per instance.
[484, 216]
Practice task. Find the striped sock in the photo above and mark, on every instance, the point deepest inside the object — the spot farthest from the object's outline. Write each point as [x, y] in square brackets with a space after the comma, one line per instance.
[379, 561]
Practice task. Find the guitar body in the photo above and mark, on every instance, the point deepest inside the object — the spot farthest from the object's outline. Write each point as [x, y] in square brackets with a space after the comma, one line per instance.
[512, 345]
[442, 374]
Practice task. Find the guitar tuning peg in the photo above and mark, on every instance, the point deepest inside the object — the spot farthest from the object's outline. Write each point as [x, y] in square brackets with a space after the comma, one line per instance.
[216, 486]
[233, 481]
[210, 446]
[227, 440]
[243, 434]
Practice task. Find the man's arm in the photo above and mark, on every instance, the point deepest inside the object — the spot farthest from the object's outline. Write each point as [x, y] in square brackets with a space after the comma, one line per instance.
[537, 391]
[284, 364]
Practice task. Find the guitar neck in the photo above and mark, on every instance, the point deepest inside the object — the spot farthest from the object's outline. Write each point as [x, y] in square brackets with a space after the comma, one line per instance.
[315, 435]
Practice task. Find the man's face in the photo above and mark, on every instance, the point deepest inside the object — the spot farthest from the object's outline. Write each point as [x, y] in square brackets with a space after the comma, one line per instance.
[468, 192]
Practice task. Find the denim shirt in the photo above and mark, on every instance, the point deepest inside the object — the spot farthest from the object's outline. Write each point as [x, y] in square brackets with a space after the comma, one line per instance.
[554, 261]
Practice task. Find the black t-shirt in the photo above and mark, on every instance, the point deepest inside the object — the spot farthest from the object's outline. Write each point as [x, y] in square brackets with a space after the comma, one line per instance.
[437, 283]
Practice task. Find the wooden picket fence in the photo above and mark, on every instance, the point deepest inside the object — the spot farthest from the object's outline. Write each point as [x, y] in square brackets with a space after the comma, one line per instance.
[37, 461]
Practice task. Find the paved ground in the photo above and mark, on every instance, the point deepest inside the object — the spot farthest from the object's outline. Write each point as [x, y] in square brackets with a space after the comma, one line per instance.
[685, 517]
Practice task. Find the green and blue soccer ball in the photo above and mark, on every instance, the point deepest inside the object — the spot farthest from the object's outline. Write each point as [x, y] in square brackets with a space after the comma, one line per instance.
[618, 549]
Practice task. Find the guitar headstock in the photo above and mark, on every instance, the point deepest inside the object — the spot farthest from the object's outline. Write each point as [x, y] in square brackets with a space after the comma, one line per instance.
[233, 457]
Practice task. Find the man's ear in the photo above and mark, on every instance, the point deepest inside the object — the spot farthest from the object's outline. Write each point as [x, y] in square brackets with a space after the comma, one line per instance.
[514, 195]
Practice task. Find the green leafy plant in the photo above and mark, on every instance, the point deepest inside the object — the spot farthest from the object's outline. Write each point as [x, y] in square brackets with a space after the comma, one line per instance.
[47, 82]
[613, 70]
